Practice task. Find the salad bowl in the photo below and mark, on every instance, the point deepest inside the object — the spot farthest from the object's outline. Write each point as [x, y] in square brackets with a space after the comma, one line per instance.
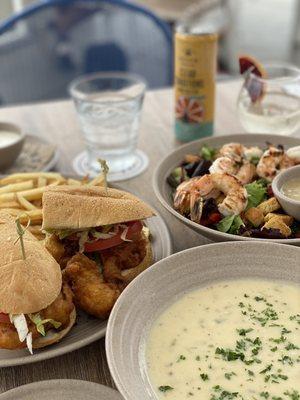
[164, 191]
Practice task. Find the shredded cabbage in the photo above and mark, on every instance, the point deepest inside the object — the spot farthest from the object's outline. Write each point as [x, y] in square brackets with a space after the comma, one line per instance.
[39, 323]
[29, 342]
[124, 234]
[83, 238]
[20, 323]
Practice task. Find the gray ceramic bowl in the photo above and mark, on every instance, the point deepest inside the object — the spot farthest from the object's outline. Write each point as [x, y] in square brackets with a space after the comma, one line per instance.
[10, 152]
[163, 190]
[162, 284]
[290, 206]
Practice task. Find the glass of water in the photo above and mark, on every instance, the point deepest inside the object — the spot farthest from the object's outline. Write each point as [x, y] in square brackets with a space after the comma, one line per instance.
[271, 104]
[109, 107]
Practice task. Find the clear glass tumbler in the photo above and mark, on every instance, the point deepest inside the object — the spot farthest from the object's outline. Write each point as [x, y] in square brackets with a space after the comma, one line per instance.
[109, 107]
[271, 104]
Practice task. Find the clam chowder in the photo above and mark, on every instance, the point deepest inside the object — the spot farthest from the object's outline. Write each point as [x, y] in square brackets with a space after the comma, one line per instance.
[231, 340]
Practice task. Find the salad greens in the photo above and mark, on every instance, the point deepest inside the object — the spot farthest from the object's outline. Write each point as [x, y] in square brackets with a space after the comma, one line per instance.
[230, 224]
[208, 153]
[257, 192]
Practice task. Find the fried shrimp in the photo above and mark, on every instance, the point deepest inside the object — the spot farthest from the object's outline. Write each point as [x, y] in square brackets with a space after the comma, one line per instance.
[122, 263]
[235, 200]
[61, 308]
[272, 161]
[91, 293]
[59, 311]
[189, 196]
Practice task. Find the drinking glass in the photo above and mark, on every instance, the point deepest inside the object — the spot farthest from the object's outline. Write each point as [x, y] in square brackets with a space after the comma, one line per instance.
[109, 107]
[271, 104]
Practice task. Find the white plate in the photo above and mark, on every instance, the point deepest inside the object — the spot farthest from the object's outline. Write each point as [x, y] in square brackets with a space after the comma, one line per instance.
[88, 329]
[66, 389]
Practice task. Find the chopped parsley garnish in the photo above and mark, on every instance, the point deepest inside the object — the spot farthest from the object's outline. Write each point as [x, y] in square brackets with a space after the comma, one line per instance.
[243, 332]
[165, 388]
[268, 368]
[228, 375]
[181, 358]
[204, 377]
[229, 355]
[294, 395]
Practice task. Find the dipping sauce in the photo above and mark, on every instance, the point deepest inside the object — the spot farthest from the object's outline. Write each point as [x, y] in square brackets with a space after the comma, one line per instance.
[232, 340]
[8, 138]
[291, 189]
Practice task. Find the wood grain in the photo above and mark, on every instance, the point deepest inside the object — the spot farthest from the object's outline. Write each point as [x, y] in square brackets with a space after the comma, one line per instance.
[57, 123]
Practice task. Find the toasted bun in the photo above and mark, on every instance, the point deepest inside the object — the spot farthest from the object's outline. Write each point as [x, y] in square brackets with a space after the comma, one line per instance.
[30, 285]
[130, 274]
[54, 336]
[66, 207]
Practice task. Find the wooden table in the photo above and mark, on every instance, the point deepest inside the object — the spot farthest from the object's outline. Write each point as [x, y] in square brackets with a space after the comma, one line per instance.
[57, 123]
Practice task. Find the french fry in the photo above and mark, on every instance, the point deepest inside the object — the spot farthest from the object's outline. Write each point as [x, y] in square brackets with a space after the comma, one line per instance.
[98, 181]
[42, 181]
[10, 204]
[32, 194]
[35, 217]
[73, 182]
[25, 203]
[17, 187]
[25, 176]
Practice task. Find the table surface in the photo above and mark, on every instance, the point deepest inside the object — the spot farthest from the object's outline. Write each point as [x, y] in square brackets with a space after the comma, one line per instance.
[57, 122]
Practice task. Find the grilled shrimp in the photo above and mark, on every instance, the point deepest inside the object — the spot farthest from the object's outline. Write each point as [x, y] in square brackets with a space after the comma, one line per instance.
[244, 172]
[273, 160]
[235, 194]
[252, 152]
[190, 194]
[235, 151]
[224, 164]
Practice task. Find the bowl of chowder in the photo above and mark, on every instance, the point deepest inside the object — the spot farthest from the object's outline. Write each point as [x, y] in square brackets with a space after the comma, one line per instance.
[216, 322]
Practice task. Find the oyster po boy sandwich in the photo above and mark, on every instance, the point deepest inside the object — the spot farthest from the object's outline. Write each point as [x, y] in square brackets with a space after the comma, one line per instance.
[98, 237]
[36, 308]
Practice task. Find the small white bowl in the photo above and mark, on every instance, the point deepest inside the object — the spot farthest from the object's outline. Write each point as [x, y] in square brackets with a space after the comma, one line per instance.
[10, 151]
[290, 206]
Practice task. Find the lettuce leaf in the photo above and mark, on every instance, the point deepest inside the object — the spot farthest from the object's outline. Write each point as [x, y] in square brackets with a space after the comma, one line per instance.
[208, 153]
[257, 193]
[230, 224]
[39, 323]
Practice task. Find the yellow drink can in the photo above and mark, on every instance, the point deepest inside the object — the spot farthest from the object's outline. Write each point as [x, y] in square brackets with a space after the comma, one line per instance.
[195, 69]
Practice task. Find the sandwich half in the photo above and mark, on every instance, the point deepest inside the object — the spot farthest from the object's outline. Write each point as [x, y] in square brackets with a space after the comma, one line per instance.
[98, 237]
[36, 307]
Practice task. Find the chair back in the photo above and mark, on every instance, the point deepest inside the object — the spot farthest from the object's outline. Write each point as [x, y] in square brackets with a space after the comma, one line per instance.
[54, 41]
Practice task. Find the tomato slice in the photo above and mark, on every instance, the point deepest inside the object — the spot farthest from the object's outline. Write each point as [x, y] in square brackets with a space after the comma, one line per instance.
[134, 227]
[4, 318]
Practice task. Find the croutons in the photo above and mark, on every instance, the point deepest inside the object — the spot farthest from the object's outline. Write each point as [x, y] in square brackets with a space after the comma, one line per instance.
[287, 219]
[254, 216]
[277, 223]
[269, 206]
